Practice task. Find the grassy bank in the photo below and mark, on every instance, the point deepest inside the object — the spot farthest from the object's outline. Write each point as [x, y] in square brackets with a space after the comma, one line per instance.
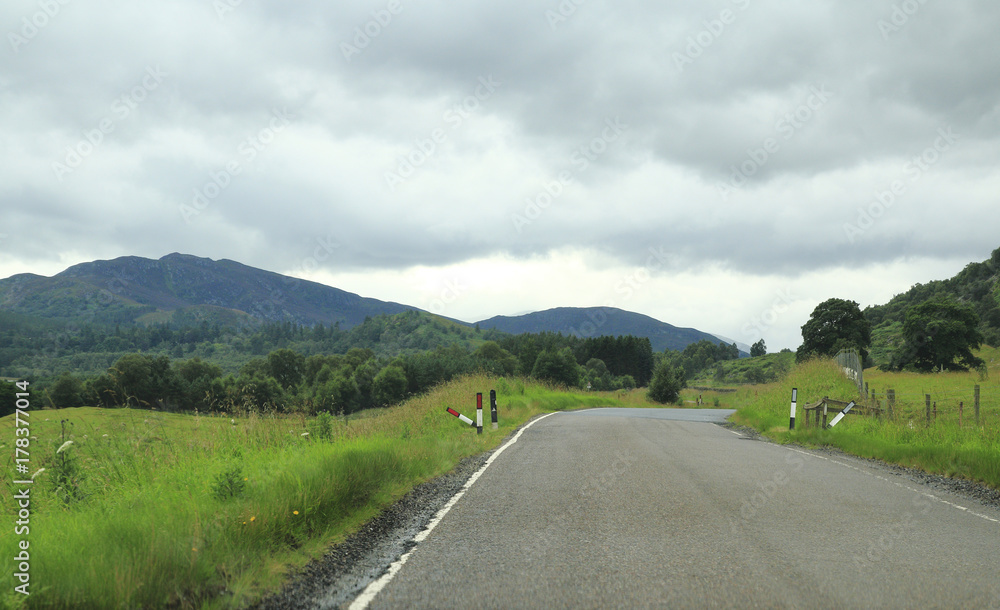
[147, 509]
[942, 446]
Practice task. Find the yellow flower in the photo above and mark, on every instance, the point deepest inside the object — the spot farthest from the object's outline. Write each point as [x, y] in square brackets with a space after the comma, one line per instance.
[253, 518]
[194, 549]
[295, 512]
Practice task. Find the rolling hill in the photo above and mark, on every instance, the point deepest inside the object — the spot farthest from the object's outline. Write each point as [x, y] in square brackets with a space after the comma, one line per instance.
[599, 321]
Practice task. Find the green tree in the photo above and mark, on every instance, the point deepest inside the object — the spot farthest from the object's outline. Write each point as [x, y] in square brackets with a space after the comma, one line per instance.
[667, 383]
[494, 360]
[940, 335]
[758, 349]
[834, 325]
[389, 386]
[558, 366]
[8, 398]
[287, 367]
[67, 391]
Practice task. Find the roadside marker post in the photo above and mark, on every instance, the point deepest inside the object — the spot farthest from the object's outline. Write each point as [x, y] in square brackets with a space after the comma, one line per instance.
[459, 416]
[479, 412]
[493, 408]
[841, 415]
[791, 419]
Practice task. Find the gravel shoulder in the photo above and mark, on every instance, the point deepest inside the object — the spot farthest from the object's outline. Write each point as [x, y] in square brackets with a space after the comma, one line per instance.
[334, 580]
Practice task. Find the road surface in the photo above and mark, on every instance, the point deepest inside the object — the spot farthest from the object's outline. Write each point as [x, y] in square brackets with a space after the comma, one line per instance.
[610, 508]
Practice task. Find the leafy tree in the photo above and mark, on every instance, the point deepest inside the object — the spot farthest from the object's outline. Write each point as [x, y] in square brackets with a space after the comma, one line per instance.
[758, 349]
[67, 391]
[495, 360]
[8, 398]
[389, 386]
[558, 366]
[287, 367]
[940, 335]
[143, 380]
[834, 325]
[667, 383]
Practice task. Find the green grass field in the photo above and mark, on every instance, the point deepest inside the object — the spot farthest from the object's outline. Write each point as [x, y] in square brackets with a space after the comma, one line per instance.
[942, 446]
[196, 511]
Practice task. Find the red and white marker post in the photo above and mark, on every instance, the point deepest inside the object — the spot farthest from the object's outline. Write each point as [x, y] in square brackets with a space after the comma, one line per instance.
[459, 416]
[479, 412]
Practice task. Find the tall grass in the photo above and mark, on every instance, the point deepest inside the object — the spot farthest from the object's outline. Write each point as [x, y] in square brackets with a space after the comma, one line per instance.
[943, 446]
[193, 511]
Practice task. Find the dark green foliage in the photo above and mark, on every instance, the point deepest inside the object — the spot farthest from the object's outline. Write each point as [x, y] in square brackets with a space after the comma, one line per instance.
[623, 355]
[495, 360]
[758, 349]
[940, 334]
[978, 286]
[834, 325]
[67, 392]
[286, 367]
[557, 366]
[667, 383]
[321, 427]
[229, 484]
[389, 386]
[8, 398]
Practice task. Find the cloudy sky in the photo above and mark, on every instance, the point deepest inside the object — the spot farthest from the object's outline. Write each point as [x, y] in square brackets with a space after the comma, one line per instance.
[724, 165]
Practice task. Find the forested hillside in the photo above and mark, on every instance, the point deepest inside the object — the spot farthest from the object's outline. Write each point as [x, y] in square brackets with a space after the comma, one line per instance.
[977, 286]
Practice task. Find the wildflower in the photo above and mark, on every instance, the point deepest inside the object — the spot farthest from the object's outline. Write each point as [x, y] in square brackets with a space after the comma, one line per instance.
[295, 512]
[304, 434]
[252, 519]
[232, 421]
[64, 445]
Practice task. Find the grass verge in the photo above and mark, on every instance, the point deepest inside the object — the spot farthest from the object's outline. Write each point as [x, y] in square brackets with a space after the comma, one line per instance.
[942, 446]
[147, 509]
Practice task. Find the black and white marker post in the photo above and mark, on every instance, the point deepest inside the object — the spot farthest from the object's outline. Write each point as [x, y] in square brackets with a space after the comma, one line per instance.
[479, 412]
[841, 415]
[493, 408]
[791, 420]
[459, 416]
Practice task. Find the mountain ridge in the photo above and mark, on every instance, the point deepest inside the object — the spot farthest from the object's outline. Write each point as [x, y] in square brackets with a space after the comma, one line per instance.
[183, 288]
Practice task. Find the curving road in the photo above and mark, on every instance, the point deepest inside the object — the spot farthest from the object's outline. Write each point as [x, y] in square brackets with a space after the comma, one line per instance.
[660, 508]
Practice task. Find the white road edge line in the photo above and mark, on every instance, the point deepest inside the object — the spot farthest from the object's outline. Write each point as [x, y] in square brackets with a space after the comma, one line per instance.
[366, 597]
[900, 485]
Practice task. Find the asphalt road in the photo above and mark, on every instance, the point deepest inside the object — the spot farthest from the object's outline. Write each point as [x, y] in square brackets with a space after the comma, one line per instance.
[612, 508]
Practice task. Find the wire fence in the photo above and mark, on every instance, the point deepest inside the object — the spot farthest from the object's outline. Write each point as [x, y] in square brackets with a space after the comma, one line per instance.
[850, 361]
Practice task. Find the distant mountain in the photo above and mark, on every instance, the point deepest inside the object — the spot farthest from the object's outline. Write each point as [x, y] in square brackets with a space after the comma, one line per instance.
[183, 288]
[599, 321]
[186, 290]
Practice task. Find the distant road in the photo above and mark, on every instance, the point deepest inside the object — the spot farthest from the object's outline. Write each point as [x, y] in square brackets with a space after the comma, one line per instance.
[610, 508]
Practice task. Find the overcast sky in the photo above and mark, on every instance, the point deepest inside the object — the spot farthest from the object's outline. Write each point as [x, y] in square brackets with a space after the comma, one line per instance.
[725, 165]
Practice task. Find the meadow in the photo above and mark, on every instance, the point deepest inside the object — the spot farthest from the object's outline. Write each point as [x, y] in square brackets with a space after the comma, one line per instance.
[947, 444]
[148, 509]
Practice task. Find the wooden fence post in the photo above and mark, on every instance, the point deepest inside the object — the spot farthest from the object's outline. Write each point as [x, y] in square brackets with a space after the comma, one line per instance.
[890, 399]
[977, 405]
[935, 410]
[960, 405]
[927, 403]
